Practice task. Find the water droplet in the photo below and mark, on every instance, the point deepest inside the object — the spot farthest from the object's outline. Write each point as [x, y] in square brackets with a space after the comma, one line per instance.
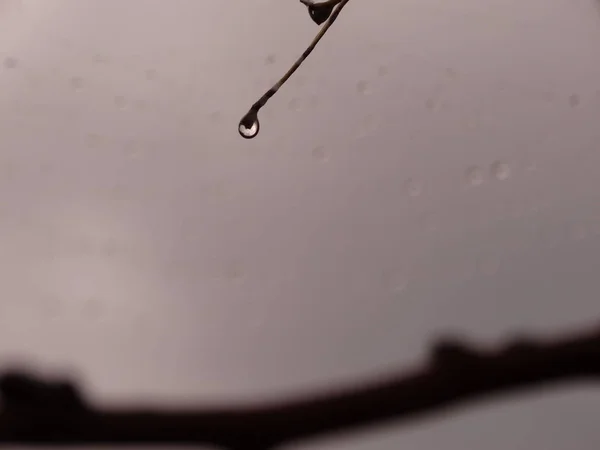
[574, 100]
[95, 140]
[413, 188]
[120, 102]
[10, 62]
[368, 126]
[549, 96]
[234, 272]
[301, 81]
[500, 170]
[531, 166]
[577, 232]
[249, 126]
[132, 150]
[92, 308]
[100, 59]
[45, 168]
[76, 83]
[395, 282]
[294, 104]
[249, 132]
[270, 59]
[489, 266]
[362, 87]
[474, 176]
[51, 307]
[426, 222]
[320, 154]
[450, 72]
[150, 74]
[319, 13]
[141, 104]
[432, 104]
[382, 70]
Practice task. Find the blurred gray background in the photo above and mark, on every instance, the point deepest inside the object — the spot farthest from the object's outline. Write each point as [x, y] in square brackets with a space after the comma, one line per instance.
[433, 168]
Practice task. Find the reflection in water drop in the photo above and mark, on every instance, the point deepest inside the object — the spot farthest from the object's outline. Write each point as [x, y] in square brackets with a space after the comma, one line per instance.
[450, 72]
[500, 170]
[249, 132]
[474, 176]
[249, 125]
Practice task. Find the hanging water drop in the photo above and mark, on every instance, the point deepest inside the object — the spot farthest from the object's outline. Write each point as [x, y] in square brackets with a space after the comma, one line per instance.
[319, 13]
[249, 125]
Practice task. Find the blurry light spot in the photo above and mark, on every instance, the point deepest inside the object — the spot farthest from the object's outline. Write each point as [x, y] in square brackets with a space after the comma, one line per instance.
[10, 62]
[362, 87]
[76, 83]
[474, 176]
[574, 100]
[413, 188]
[500, 170]
[320, 154]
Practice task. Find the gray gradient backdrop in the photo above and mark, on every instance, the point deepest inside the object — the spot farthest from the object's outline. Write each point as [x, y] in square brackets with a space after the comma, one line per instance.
[434, 167]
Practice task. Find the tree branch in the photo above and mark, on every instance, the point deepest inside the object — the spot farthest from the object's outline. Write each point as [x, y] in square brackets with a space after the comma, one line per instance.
[42, 413]
[326, 12]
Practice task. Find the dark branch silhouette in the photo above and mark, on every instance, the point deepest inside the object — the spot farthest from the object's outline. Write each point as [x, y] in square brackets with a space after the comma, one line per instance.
[42, 412]
[321, 13]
